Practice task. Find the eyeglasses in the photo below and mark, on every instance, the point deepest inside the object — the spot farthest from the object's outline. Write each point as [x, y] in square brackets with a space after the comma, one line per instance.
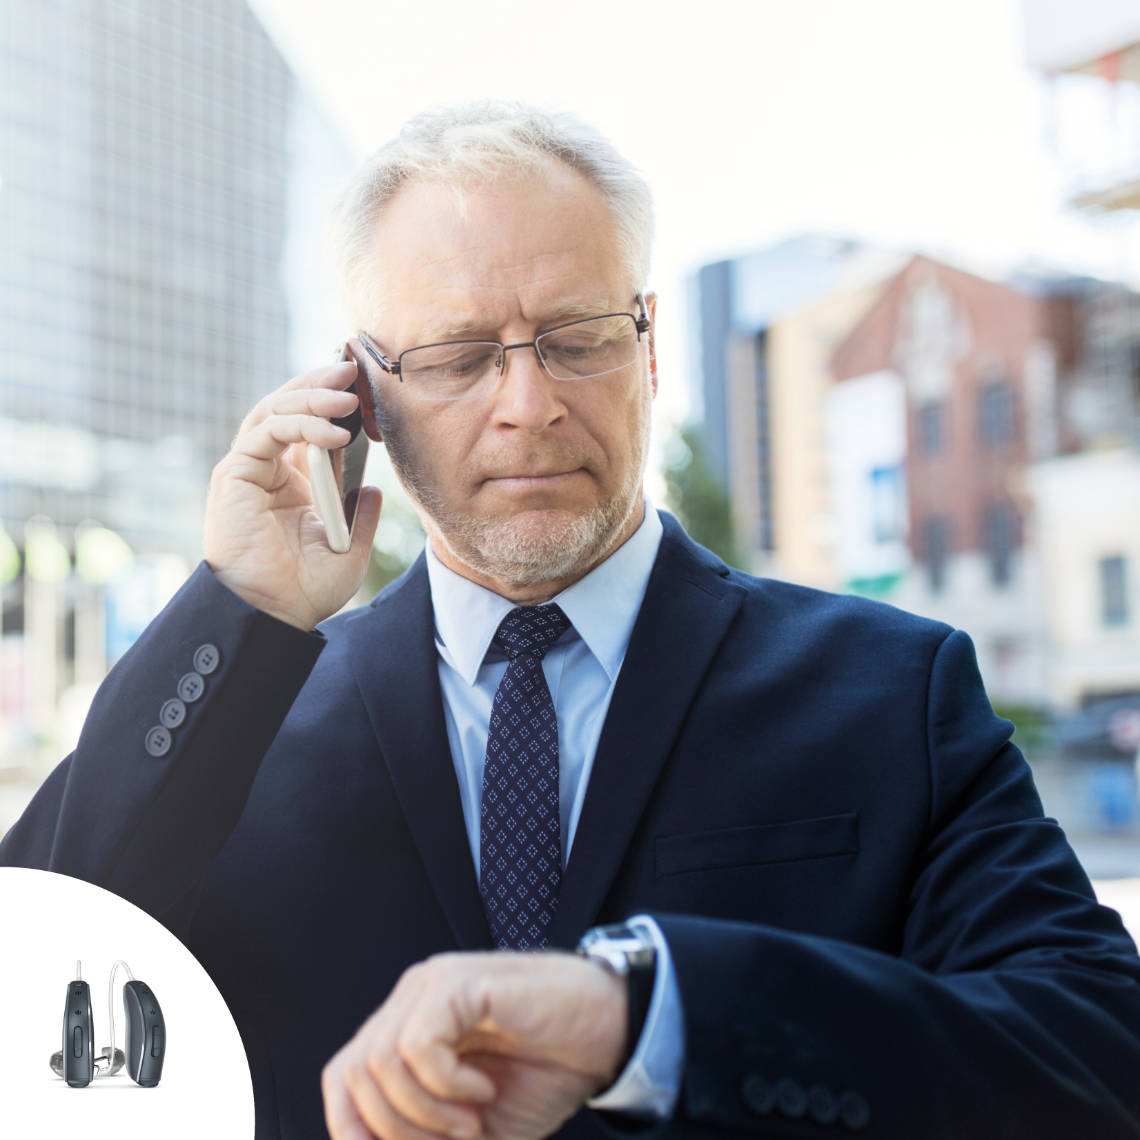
[577, 350]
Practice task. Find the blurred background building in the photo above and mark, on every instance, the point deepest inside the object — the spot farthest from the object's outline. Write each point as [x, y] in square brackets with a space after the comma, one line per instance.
[768, 322]
[163, 178]
[965, 448]
[1090, 53]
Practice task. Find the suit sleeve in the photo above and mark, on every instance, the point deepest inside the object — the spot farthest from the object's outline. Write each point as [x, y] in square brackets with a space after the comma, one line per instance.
[1012, 1010]
[143, 813]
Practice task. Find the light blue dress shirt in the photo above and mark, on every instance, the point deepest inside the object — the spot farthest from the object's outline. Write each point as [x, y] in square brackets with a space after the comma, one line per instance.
[581, 670]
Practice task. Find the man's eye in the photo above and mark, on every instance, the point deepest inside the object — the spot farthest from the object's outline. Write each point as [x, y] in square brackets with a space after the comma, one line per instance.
[459, 367]
[576, 348]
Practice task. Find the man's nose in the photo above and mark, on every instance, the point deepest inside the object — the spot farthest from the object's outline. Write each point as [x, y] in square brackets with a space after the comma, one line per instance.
[526, 395]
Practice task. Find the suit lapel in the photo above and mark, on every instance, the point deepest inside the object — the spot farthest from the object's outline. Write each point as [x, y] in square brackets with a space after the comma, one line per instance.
[689, 605]
[394, 659]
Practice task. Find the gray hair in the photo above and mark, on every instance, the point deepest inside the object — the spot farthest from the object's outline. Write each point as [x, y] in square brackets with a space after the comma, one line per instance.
[469, 145]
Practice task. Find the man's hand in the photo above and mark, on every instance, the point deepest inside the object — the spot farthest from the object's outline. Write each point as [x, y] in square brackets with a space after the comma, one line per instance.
[504, 1046]
[263, 536]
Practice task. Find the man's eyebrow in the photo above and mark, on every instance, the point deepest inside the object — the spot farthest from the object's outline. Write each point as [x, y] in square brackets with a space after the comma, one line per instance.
[460, 328]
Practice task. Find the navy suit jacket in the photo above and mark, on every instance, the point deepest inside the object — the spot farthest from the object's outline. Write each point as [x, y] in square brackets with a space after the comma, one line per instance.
[873, 926]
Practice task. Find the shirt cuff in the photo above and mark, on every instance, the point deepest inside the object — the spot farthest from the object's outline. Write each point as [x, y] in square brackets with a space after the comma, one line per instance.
[649, 1084]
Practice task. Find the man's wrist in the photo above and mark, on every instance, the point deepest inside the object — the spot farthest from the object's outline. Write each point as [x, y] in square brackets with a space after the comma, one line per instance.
[259, 601]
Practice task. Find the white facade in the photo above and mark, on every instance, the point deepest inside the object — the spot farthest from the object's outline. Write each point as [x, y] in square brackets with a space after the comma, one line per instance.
[866, 449]
[1087, 512]
[1008, 624]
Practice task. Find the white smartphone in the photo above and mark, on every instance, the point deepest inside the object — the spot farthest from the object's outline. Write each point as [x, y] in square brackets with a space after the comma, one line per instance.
[337, 476]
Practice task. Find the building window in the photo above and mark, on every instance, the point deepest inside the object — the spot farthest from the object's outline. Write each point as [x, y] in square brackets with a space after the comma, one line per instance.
[1114, 590]
[931, 431]
[996, 413]
[887, 503]
[999, 538]
[936, 550]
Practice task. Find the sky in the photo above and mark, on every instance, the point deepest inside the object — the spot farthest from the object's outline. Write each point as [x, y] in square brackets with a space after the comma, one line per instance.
[914, 125]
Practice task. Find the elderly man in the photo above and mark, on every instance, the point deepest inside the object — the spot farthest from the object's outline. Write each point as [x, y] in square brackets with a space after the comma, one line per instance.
[822, 893]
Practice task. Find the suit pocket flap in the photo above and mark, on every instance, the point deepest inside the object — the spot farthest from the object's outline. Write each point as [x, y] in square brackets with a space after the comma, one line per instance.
[765, 843]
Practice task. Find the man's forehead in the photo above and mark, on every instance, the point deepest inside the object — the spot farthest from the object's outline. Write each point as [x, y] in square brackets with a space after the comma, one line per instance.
[446, 322]
[525, 255]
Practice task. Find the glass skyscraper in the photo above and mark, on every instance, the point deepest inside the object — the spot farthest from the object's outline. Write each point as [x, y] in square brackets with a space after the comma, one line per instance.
[145, 164]
[162, 179]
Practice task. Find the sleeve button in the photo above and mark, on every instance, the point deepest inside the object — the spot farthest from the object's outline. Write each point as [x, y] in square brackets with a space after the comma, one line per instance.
[791, 1098]
[191, 687]
[822, 1105]
[206, 659]
[854, 1110]
[758, 1094]
[158, 741]
[173, 713]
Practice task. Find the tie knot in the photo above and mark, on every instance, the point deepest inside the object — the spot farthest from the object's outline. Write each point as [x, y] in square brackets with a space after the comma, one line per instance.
[531, 629]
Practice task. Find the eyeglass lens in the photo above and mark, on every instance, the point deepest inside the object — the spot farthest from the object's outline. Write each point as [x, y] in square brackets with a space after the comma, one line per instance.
[576, 351]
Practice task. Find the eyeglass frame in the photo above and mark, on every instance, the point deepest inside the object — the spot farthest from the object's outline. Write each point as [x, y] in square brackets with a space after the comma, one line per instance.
[642, 324]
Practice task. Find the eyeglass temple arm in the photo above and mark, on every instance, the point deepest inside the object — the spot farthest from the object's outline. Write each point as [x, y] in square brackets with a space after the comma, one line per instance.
[643, 322]
[390, 366]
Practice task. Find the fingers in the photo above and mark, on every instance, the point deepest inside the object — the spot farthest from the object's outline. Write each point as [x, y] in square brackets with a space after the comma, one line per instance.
[272, 436]
[341, 1117]
[319, 393]
[331, 376]
[439, 1070]
[308, 400]
[296, 413]
[428, 1046]
[370, 1079]
[386, 1093]
[366, 1086]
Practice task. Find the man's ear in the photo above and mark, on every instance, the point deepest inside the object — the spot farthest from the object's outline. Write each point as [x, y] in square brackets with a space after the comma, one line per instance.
[365, 391]
[651, 309]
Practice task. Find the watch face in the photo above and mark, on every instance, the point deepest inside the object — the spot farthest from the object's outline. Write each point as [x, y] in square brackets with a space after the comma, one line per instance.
[621, 947]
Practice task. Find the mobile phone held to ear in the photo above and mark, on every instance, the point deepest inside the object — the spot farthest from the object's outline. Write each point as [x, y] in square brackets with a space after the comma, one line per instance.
[337, 476]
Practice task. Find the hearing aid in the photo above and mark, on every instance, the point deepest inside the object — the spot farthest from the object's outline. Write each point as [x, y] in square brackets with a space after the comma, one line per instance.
[145, 1047]
[146, 1034]
[78, 1062]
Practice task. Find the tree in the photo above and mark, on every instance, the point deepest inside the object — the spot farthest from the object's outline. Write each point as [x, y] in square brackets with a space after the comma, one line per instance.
[696, 496]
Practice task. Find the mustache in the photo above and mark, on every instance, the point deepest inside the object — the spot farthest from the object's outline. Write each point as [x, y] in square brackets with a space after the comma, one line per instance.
[532, 461]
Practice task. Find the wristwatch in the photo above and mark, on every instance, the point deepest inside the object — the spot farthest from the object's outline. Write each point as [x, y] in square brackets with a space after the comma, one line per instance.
[629, 952]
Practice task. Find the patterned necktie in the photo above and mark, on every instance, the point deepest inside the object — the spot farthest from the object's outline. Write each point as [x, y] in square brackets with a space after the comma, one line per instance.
[519, 836]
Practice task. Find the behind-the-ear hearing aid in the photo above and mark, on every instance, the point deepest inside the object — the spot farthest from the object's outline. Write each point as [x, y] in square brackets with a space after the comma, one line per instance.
[77, 1058]
[145, 1033]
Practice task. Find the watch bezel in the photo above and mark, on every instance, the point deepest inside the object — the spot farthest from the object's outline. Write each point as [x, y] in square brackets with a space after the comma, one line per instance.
[620, 947]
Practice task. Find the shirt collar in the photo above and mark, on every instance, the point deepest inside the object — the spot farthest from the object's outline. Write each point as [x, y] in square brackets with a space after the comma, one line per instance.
[602, 606]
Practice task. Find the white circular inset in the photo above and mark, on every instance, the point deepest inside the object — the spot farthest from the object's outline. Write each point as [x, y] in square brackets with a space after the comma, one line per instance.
[51, 922]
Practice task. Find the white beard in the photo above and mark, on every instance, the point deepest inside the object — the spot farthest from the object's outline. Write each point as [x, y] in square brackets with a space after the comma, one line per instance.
[530, 547]
[526, 552]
